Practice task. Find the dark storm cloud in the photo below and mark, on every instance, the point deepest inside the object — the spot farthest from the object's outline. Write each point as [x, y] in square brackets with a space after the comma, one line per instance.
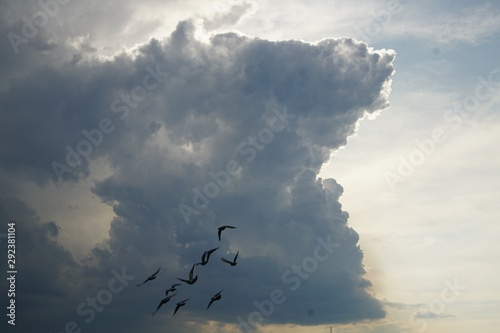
[220, 97]
[46, 271]
[272, 110]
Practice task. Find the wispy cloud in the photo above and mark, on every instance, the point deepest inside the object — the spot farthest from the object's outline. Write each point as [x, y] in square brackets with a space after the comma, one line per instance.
[467, 25]
[432, 315]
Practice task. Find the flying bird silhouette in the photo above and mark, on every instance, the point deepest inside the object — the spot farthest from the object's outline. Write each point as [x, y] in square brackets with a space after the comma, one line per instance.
[206, 256]
[180, 304]
[232, 263]
[215, 297]
[172, 289]
[219, 232]
[163, 301]
[191, 280]
[150, 278]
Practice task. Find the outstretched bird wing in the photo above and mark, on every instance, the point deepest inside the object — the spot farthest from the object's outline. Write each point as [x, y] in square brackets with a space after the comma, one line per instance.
[226, 261]
[154, 274]
[191, 272]
[174, 286]
[158, 308]
[181, 303]
[204, 257]
[224, 227]
[209, 252]
[163, 301]
[214, 298]
[151, 277]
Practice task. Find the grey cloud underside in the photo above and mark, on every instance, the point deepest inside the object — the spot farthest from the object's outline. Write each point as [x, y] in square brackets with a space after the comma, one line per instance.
[215, 97]
[47, 275]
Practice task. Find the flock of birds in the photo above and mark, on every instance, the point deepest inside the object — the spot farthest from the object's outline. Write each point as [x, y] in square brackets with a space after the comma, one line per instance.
[192, 278]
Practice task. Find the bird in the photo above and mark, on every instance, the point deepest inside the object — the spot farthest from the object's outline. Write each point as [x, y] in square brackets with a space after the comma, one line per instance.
[191, 280]
[214, 298]
[150, 278]
[232, 263]
[206, 256]
[163, 301]
[223, 228]
[172, 289]
[180, 304]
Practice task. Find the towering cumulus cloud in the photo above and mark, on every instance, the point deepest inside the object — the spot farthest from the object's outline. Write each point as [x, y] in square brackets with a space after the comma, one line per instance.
[232, 131]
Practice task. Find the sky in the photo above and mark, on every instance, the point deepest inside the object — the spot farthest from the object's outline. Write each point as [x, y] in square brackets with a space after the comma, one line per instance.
[353, 145]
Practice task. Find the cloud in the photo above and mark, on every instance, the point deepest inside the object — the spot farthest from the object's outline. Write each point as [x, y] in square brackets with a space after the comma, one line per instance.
[236, 130]
[470, 24]
[46, 272]
[427, 241]
[432, 315]
[228, 18]
[402, 306]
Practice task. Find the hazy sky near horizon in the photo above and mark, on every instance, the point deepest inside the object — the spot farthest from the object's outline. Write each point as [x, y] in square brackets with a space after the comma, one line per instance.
[354, 145]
